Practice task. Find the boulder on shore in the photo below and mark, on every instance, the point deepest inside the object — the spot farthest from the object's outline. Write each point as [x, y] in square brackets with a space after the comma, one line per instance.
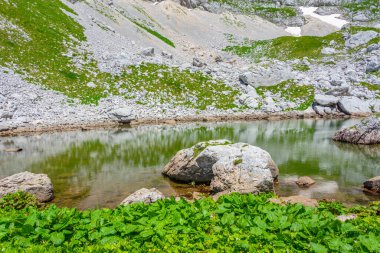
[144, 195]
[37, 184]
[373, 184]
[366, 132]
[228, 167]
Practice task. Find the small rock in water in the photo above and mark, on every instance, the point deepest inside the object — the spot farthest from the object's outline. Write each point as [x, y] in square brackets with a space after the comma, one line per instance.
[144, 195]
[305, 182]
[13, 150]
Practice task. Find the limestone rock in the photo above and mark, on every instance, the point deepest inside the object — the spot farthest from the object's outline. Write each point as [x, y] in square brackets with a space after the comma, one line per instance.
[143, 195]
[195, 163]
[36, 184]
[366, 132]
[198, 63]
[149, 51]
[237, 167]
[122, 114]
[361, 38]
[326, 100]
[354, 106]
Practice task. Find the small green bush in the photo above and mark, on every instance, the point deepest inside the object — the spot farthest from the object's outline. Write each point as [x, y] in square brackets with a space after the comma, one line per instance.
[19, 200]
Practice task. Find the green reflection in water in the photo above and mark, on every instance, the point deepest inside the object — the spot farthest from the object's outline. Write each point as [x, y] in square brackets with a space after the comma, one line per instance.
[100, 168]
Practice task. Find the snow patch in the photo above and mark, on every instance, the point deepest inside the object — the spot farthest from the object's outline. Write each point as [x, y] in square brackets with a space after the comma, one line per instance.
[330, 19]
[295, 31]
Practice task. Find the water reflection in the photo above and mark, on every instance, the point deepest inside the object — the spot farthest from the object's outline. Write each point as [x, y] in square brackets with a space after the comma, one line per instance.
[100, 168]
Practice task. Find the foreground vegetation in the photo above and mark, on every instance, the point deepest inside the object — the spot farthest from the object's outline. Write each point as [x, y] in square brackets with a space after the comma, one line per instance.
[234, 223]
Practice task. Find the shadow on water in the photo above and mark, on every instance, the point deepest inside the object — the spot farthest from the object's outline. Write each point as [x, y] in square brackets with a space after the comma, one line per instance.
[101, 167]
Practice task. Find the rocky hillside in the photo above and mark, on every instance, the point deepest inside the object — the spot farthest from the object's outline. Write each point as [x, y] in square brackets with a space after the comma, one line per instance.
[95, 61]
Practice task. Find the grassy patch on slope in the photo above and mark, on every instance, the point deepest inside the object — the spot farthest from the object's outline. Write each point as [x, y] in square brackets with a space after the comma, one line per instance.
[153, 32]
[289, 47]
[260, 9]
[303, 95]
[369, 6]
[50, 56]
[234, 223]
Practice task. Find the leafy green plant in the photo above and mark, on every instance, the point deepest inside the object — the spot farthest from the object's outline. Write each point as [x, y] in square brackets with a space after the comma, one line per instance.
[19, 200]
[234, 223]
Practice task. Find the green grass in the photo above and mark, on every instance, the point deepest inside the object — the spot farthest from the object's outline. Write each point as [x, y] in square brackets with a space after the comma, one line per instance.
[264, 10]
[371, 6]
[289, 47]
[303, 95]
[235, 223]
[44, 61]
[301, 67]
[154, 33]
[371, 87]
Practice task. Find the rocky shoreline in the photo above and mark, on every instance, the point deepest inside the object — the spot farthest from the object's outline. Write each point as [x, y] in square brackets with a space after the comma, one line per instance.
[32, 129]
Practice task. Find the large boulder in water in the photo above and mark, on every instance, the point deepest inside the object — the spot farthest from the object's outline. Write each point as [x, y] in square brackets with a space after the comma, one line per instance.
[238, 167]
[366, 132]
[37, 184]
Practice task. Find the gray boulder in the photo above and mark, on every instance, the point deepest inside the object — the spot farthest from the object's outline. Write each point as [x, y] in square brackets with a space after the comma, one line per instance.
[149, 51]
[373, 184]
[326, 100]
[198, 63]
[354, 106]
[195, 163]
[373, 64]
[229, 167]
[251, 171]
[366, 132]
[361, 17]
[339, 91]
[167, 55]
[122, 115]
[361, 38]
[144, 195]
[267, 77]
[37, 184]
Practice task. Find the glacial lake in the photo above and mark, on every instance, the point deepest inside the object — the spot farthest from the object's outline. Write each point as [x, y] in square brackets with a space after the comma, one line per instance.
[99, 168]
